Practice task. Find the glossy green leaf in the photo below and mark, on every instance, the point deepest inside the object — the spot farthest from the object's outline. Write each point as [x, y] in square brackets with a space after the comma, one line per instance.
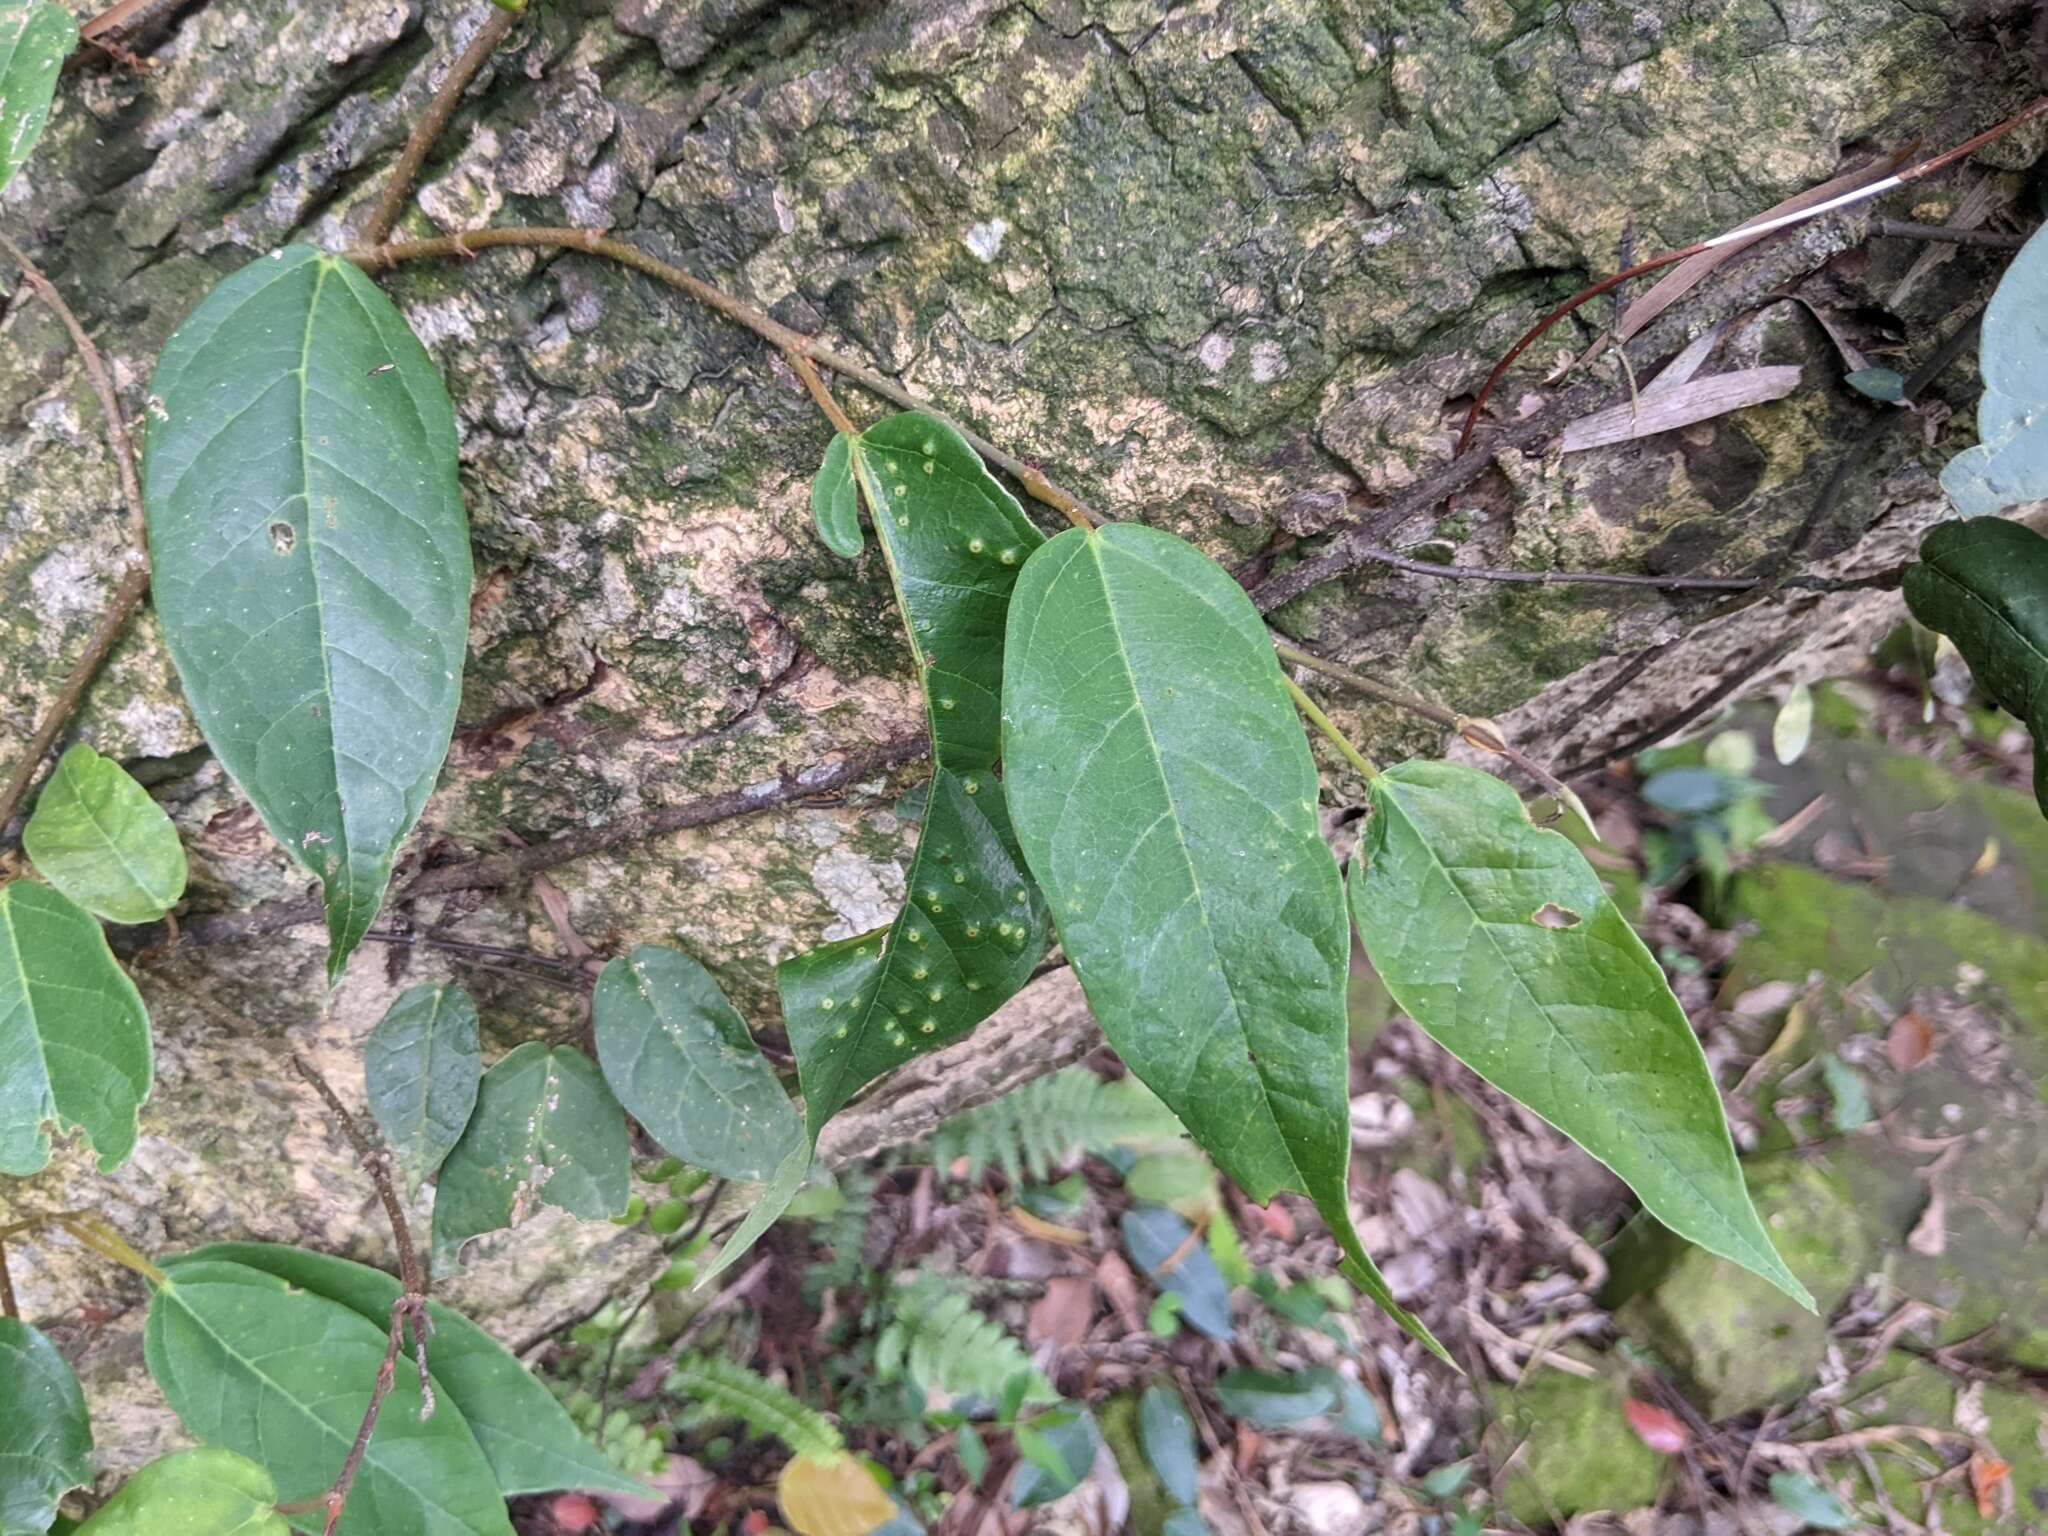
[683, 1063]
[546, 1131]
[523, 1430]
[2009, 465]
[207, 1492]
[420, 1070]
[1165, 798]
[311, 561]
[35, 38]
[1499, 940]
[98, 837]
[835, 499]
[1984, 584]
[974, 925]
[74, 1037]
[1168, 1437]
[45, 1434]
[282, 1376]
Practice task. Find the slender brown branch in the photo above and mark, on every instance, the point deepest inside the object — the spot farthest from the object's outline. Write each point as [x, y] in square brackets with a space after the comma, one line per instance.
[498, 870]
[375, 258]
[808, 372]
[377, 1164]
[1912, 173]
[7, 1303]
[1378, 556]
[134, 583]
[1946, 234]
[496, 27]
[410, 1308]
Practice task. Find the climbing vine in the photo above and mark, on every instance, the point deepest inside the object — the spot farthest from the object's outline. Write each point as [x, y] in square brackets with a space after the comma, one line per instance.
[1119, 769]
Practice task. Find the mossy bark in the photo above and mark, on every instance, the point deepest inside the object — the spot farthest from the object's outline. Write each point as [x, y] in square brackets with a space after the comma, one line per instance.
[1220, 266]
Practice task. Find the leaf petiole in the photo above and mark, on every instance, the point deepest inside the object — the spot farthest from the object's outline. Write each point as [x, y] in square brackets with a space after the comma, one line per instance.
[1328, 727]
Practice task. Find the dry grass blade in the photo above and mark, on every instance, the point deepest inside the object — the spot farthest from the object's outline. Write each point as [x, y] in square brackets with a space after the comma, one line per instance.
[1688, 274]
[1680, 406]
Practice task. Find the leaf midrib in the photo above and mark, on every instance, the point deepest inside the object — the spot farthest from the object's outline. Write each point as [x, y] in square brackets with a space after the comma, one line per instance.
[1093, 541]
[1635, 1125]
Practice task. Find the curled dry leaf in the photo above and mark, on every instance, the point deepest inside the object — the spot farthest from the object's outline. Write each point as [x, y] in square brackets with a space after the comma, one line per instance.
[1909, 1042]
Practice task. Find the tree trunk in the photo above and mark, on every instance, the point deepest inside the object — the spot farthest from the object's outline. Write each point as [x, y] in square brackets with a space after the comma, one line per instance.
[1224, 266]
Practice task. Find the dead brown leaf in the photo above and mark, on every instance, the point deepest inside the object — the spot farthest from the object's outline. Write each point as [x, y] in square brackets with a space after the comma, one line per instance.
[1909, 1042]
[1988, 1476]
[1063, 1313]
[1114, 1279]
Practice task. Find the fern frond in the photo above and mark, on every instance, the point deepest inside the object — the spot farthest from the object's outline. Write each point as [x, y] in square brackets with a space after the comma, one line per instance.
[941, 1339]
[767, 1409]
[1048, 1122]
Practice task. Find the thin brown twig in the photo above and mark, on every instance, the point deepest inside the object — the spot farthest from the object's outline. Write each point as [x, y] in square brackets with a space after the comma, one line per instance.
[7, 1304]
[1387, 557]
[134, 583]
[375, 258]
[410, 1308]
[808, 372]
[1946, 234]
[1912, 173]
[497, 26]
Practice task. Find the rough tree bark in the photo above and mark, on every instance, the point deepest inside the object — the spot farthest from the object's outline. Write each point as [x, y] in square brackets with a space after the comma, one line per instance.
[1218, 265]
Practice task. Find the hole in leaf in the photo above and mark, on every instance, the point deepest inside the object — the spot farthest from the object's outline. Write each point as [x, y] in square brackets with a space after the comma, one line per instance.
[1551, 915]
[283, 537]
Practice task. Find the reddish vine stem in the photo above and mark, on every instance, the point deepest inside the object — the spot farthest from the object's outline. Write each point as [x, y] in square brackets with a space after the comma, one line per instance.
[1744, 232]
[134, 583]
[497, 26]
[410, 1309]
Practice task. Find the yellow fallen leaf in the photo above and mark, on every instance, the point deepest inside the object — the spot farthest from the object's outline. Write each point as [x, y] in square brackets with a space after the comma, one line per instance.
[831, 1498]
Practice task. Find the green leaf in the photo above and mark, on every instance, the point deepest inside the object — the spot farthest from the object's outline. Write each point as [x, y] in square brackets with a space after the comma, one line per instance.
[769, 1204]
[973, 926]
[1845, 1088]
[74, 1037]
[1168, 1436]
[1157, 1238]
[1792, 729]
[1271, 1399]
[1816, 1508]
[1984, 584]
[35, 38]
[45, 1434]
[1886, 384]
[972, 1453]
[311, 561]
[2010, 463]
[1165, 798]
[1498, 938]
[522, 1428]
[193, 1493]
[420, 1070]
[98, 837]
[1059, 1451]
[1357, 1414]
[1184, 1522]
[745, 1394]
[250, 1363]
[835, 499]
[546, 1131]
[683, 1063]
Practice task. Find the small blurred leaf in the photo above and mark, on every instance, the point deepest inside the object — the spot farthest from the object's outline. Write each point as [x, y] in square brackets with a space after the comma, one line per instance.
[836, 1497]
[1182, 1179]
[1357, 1414]
[972, 1453]
[1658, 1428]
[35, 37]
[421, 1066]
[98, 837]
[1271, 1399]
[1886, 384]
[1162, 1319]
[208, 1492]
[1059, 1451]
[1689, 791]
[1813, 1504]
[1793, 727]
[1184, 1522]
[835, 500]
[1155, 1235]
[1444, 1482]
[1845, 1088]
[1168, 1437]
